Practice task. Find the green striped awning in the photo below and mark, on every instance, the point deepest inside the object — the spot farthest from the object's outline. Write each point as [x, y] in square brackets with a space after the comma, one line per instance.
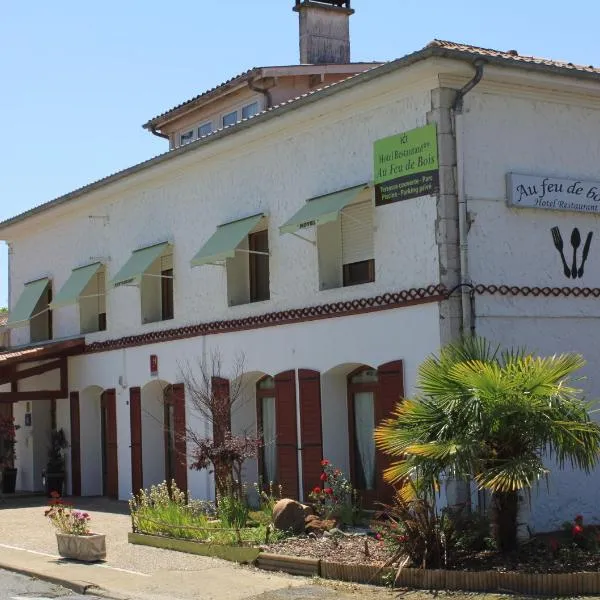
[322, 209]
[224, 241]
[25, 306]
[74, 286]
[139, 262]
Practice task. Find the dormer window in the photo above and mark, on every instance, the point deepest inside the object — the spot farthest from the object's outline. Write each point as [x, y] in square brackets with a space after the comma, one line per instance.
[205, 129]
[186, 138]
[230, 119]
[249, 110]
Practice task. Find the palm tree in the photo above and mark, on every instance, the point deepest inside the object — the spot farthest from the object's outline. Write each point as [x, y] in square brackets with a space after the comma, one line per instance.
[491, 416]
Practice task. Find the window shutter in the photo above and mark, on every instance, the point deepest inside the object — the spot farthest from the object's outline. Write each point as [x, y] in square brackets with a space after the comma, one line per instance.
[75, 444]
[287, 439]
[310, 421]
[180, 436]
[135, 422]
[112, 467]
[391, 391]
[357, 233]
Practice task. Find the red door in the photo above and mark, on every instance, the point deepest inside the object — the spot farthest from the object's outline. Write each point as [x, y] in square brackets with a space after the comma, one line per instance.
[75, 444]
[110, 461]
[135, 421]
[311, 430]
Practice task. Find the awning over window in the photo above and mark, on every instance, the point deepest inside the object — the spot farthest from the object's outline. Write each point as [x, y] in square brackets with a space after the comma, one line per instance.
[73, 288]
[23, 310]
[140, 261]
[224, 241]
[322, 209]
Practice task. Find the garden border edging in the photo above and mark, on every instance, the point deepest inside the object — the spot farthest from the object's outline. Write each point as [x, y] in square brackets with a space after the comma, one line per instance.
[547, 584]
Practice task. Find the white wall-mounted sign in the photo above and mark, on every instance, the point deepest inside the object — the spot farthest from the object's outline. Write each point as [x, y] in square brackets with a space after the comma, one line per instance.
[552, 193]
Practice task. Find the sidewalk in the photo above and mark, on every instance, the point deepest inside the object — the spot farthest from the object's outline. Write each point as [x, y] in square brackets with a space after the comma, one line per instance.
[28, 545]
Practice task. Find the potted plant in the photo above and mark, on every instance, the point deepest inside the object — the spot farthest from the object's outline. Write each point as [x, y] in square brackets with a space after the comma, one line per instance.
[55, 467]
[73, 535]
[8, 440]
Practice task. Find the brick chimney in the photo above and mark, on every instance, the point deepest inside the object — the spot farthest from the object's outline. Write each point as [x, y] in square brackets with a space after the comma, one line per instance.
[324, 31]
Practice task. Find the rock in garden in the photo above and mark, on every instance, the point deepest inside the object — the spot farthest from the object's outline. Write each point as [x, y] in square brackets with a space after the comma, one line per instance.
[315, 525]
[289, 515]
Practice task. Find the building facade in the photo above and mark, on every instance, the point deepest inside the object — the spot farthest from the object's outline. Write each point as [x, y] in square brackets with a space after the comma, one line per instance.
[264, 241]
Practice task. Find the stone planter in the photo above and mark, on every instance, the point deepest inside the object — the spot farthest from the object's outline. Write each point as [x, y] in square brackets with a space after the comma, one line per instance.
[88, 548]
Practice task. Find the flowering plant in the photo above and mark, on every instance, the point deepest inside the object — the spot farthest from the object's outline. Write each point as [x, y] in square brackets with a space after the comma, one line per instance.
[8, 440]
[65, 518]
[335, 498]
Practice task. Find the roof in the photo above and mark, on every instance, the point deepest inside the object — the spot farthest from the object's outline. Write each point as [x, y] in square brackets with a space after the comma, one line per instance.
[43, 351]
[242, 78]
[436, 48]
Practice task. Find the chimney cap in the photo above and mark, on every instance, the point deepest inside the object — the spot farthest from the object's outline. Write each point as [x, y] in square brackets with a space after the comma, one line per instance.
[341, 5]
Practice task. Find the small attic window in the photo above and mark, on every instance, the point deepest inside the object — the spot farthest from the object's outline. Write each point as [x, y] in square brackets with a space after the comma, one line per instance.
[186, 138]
[249, 110]
[230, 119]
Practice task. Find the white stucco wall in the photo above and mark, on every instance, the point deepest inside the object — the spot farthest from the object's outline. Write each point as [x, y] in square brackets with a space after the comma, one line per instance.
[274, 169]
[514, 247]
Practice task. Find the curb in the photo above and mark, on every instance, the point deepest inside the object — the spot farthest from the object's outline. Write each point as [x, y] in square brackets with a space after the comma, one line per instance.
[79, 587]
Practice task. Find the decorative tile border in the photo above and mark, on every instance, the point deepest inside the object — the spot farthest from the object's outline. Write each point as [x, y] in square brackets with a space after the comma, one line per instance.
[546, 292]
[432, 293]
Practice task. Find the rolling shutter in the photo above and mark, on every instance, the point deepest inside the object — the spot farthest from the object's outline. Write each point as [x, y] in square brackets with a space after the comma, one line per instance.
[391, 391]
[135, 421]
[109, 402]
[311, 431]
[180, 436]
[357, 233]
[287, 439]
[75, 444]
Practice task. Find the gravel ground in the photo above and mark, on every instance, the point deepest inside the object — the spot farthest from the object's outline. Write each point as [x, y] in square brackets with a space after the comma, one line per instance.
[346, 549]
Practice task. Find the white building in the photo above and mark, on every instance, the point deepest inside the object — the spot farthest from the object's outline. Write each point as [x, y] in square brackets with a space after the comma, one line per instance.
[116, 288]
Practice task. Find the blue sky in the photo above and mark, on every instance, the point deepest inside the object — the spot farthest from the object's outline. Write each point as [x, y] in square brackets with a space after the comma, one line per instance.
[79, 78]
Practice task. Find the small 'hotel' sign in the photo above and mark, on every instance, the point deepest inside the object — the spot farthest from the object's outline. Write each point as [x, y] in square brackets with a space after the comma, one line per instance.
[551, 193]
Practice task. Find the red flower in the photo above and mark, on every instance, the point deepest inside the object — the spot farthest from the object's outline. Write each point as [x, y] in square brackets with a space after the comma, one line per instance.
[324, 462]
[377, 536]
[328, 491]
[577, 530]
[54, 494]
[323, 476]
[317, 490]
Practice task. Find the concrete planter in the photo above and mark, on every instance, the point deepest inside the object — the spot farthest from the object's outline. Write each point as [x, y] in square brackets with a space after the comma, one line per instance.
[87, 548]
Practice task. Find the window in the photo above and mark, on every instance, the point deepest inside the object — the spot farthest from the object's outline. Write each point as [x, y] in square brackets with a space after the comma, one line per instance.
[258, 244]
[92, 304]
[205, 129]
[186, 138]
[166, 293]
[267, 429]
[249, 110]
[346, 247]
[40, 325]
[157, 290]
[230, 119]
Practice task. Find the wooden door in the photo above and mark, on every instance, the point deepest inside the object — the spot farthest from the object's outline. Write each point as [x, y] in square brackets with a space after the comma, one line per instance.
[75, 444]
[135, 421]
[311, 429]
[110, 461]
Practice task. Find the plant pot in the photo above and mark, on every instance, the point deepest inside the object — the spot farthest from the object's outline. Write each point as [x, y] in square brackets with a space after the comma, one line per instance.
[87, 548]
[55, 482]
[9, 480]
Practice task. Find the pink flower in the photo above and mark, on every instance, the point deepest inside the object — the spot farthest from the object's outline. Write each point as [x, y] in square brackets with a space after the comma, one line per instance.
[317, 490]
[577, 530]
[323, 476]
[328, 491]
[377, 536]
[324, 462]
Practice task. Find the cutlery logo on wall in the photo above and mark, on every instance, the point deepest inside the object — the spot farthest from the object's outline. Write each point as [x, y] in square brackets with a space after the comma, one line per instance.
[575, 270]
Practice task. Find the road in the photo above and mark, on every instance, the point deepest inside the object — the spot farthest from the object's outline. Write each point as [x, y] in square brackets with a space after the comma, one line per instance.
[19, 587]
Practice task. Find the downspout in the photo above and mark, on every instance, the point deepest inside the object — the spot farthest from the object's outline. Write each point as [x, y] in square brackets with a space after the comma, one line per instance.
[265, 91]
[153, 131]
[9, 251]
[467, 290]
